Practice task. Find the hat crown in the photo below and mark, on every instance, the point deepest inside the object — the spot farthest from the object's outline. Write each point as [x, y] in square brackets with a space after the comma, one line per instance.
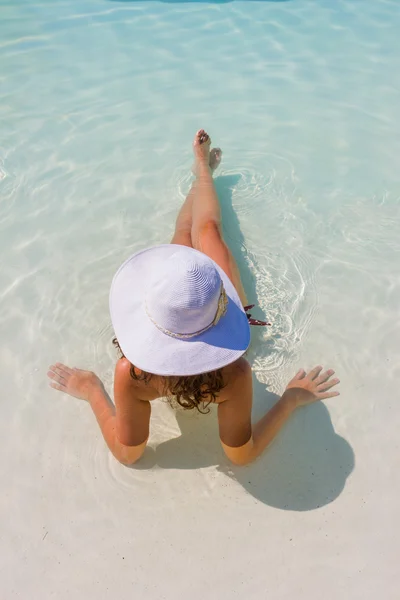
[184, 297]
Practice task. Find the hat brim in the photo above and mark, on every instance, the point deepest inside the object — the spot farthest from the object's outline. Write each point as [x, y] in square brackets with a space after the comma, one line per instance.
[153, 351]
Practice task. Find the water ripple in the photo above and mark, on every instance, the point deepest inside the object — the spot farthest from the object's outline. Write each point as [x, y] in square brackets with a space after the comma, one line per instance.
[99, 102]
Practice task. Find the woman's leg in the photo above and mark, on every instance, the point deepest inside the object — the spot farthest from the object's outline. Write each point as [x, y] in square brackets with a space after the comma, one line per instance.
[206, 232]
[183, 226]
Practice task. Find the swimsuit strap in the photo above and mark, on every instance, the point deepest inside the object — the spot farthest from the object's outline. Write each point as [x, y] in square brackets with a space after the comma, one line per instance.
[254, 321]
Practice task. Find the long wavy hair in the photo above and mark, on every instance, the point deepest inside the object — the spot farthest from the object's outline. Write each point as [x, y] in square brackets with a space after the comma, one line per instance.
[195, 391]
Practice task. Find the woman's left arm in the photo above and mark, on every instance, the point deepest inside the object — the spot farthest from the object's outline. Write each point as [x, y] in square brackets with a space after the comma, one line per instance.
[125, 427]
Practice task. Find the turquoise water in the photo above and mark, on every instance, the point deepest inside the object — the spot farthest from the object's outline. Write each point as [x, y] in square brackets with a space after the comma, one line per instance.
[99, 101]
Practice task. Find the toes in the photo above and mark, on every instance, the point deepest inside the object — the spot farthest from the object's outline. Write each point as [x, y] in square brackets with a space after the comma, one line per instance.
[216, 154]
[201, 137]
[196, 141]
[215, 158]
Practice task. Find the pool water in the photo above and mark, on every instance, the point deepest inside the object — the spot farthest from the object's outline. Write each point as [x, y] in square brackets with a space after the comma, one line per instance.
[99, 102]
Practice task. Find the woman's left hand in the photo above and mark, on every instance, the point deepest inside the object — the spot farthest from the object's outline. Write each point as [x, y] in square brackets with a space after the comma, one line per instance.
[75, 382]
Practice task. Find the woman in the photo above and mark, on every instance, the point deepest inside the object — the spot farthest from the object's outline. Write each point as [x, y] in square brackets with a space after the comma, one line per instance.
[178, 316]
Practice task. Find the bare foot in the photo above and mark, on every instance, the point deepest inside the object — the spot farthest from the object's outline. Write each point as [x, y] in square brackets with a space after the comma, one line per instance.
[215, 158]
[202, 154]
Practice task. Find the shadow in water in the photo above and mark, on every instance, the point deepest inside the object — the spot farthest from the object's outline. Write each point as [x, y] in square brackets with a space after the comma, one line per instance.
[233, 235]
[304, 469]
[307, 465]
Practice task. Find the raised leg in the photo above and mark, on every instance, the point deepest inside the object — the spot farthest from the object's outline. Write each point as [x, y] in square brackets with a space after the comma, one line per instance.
[206, 232]
[183, 227]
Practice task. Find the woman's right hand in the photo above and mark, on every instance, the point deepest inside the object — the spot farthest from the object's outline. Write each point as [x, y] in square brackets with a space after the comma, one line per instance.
[306, 388]
[75, 382]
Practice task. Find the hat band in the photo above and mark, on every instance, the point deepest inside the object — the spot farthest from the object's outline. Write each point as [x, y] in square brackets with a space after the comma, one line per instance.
[221, 312]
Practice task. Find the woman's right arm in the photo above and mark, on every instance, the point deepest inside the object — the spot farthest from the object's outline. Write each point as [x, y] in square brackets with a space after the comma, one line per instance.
[243, 443]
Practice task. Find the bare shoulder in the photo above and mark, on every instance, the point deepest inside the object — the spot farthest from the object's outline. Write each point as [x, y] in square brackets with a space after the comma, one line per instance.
[122, 374]
[123, 367]
[237, 378]
[124, 381]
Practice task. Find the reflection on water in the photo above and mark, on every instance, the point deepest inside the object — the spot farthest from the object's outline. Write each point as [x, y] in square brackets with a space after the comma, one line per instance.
[99, 102]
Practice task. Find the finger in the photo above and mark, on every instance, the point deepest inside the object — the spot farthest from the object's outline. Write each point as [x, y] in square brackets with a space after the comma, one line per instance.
[327, 395]
[63, 367]
[325, 376]
[60, 372]
[299, 375]
[56, 378]
[323, 387]
[59, 378]
[55, 386]
[314, 372]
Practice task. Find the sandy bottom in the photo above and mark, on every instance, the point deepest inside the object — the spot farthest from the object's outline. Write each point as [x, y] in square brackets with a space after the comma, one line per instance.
[99, 103]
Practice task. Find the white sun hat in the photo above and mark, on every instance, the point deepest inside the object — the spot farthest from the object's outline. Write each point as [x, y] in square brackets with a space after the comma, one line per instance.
[175, 312]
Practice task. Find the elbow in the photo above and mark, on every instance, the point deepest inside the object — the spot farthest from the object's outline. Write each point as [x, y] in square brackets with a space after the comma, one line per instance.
[242, 461]
[129, 461]
[241, 456]
[129, 455]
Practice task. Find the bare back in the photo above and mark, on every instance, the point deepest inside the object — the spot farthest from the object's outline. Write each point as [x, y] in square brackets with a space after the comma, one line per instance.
[234, 403]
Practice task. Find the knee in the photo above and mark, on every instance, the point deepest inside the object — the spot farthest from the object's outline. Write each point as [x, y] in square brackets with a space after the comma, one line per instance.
[209, 234]
[211, 227]
[182, 237]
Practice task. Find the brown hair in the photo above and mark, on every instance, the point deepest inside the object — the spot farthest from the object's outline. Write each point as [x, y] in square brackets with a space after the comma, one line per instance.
[189, 391]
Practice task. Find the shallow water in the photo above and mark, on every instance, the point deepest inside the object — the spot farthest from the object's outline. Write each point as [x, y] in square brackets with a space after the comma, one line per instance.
[99, 102]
